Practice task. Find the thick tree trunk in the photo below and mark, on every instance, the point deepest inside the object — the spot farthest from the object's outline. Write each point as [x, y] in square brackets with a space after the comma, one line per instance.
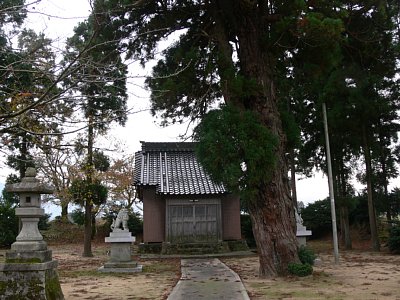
[371, 208]
[274, 231]
[272, 213]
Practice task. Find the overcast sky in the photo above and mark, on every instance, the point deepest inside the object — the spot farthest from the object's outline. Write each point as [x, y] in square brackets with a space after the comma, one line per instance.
[57, 18]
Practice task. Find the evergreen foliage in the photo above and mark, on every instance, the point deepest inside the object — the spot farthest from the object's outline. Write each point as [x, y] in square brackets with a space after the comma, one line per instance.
[8, 223]
[236, 149]
[300, 270]
[12, 11]
[306, 255]
[43, 223]
[242, 54]
[317, 217]
[11, 198]
[394, 239]
[100, 79]
[101, 161]
[8, 219]
[359, 215]
[29, 98]
[78, 216]
[361, 92]
[82, 191]
[100, 74]
[255, 72]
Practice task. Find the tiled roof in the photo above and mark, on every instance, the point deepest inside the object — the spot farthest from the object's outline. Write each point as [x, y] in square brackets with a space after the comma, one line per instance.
[173, 168]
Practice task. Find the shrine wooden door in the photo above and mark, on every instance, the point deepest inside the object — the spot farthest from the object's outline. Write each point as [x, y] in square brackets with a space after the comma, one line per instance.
[190, 221]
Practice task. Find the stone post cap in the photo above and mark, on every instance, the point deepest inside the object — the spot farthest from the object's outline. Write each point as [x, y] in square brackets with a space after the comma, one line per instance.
[29, 184]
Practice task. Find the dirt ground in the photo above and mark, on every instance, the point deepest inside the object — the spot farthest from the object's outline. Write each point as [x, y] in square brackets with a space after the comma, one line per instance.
[80, 280]
[360, 275]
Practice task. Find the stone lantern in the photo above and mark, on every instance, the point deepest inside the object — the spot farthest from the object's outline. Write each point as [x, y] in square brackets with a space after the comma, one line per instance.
[29, 271]
[29, 210]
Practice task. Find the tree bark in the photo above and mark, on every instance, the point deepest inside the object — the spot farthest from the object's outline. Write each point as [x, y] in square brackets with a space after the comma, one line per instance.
[87, 244]
[272, 213]
[342, 227]
[94, 229]
[24, 156]
[344, 209]
[371, 208]
[274, 232]
[344, 214]
[64, 211]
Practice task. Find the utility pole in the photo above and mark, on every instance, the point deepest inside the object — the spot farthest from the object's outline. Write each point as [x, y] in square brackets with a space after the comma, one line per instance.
[330, 182]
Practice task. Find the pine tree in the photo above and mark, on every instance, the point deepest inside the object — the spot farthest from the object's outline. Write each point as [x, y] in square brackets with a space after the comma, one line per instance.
[226, 57]
[100, 81]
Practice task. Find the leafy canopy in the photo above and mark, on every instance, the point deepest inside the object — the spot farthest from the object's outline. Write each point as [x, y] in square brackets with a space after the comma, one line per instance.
[83, 190]
[236, 149]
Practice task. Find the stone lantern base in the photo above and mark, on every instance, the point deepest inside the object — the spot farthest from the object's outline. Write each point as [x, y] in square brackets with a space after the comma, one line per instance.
[30, 276]
[29, 271]
[29, 280]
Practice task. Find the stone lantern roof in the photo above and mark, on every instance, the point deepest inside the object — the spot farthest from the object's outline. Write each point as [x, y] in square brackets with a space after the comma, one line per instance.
[30, 184]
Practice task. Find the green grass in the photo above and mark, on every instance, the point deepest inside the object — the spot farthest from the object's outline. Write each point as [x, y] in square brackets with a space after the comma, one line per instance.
[159, 267]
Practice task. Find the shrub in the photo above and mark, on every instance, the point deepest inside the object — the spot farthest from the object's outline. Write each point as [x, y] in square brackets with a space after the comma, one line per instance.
[44, 222]
[78, 216]
[394, 240]
[135, 223]
[300, 270]
[304, 268]
[8, 224]
[306, 255]
[317, 217]
[359, 215]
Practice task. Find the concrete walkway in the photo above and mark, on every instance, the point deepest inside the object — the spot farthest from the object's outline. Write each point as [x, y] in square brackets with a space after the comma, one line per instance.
[207, 279]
